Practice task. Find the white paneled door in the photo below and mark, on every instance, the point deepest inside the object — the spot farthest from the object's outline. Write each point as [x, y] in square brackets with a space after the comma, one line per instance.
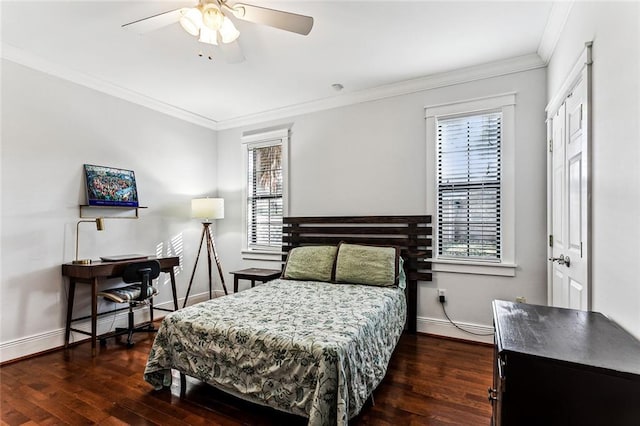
[569, 202]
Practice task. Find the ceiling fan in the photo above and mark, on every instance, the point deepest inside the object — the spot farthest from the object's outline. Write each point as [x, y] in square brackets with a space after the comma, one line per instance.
[209, 21]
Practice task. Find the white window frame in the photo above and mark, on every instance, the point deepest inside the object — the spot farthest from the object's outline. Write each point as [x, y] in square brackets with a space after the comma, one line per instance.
[259, 140]
[504, 103]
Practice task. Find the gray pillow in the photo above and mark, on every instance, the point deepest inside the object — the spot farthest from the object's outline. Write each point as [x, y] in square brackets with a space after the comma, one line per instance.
[362, 264]
[314, 263]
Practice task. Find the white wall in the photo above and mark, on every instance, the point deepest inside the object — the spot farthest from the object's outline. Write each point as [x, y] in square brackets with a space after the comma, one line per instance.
[367, 158]
[50, 128]
[614, 29]
[370, 159]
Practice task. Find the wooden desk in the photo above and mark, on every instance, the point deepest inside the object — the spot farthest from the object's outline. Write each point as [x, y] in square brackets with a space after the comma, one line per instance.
[254, 274]
[93, 274]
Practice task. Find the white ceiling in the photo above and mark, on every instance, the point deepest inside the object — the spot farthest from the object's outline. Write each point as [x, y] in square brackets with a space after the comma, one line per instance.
[362, 45]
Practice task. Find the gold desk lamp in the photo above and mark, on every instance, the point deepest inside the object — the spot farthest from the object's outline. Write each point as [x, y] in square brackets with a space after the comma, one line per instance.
[207, 209]
[99, 225]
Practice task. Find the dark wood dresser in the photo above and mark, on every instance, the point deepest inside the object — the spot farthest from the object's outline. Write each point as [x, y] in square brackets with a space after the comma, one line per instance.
[557, 366]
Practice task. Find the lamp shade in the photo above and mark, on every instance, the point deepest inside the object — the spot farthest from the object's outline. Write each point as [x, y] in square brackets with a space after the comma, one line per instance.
[191, 21]
[228, 31]
[212, 16]
[208, 36]
[207, 208]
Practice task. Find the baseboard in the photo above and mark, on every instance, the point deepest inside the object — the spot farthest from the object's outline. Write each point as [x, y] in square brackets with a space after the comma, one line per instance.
[440, 327]
[30, 345]
[42, 342]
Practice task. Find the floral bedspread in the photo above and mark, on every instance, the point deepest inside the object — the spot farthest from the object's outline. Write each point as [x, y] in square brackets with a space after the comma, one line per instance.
[309, 348]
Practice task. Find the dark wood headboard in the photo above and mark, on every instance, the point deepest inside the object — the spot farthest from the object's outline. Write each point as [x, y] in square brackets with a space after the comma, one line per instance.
[412, 234]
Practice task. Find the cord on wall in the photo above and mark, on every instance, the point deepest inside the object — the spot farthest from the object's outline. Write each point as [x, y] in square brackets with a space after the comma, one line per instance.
[442, 300]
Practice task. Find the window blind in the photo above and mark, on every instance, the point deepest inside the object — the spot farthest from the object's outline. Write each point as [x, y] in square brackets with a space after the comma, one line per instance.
[265, 203]
[469, 183]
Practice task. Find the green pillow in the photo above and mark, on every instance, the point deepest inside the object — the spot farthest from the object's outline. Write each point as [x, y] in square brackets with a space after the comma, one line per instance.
[372, 265]
[314, 263]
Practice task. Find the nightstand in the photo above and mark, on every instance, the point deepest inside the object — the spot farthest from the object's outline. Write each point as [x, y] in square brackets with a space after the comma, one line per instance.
[254, 274]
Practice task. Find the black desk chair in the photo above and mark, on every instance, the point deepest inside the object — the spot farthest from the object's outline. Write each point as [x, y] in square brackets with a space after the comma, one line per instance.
[141, 293]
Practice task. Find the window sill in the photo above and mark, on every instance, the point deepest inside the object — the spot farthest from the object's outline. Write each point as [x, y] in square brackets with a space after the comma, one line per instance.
[475, 268]
[267, 255]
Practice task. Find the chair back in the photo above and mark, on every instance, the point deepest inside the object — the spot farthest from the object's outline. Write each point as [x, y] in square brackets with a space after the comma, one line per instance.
[143, 273]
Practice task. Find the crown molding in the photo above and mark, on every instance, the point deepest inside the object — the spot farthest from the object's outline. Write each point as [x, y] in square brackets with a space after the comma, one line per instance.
[21, 57]
[556, 22]
[459, 76]
[463, 75]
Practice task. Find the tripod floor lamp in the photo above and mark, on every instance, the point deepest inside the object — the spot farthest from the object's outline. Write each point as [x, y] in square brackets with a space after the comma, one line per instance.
[207, 209]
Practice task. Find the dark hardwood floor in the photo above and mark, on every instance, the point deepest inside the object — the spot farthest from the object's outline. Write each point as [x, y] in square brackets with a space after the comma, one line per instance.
[430, 381]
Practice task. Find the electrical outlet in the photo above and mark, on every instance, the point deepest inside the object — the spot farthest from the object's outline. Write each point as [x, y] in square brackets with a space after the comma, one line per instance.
[521, 299]
[441, 295]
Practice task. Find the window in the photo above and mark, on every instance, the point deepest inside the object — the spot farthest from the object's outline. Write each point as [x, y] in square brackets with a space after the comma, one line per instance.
[470, 185]
[264, 201]
[265, 190]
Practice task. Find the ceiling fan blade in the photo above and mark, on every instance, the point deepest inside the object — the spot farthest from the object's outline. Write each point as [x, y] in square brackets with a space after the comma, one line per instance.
[155, 22]
[287, 21]
[232, 52]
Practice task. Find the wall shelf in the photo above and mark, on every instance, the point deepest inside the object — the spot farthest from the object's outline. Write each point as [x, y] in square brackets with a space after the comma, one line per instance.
[130, 212]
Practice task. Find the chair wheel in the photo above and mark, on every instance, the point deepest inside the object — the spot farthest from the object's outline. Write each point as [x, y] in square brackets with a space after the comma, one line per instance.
[130, 345]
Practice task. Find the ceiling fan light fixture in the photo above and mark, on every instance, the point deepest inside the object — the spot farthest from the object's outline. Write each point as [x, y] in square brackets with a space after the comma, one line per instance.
[208, 36]
[228, 31]
[212, 17]
[191, 21]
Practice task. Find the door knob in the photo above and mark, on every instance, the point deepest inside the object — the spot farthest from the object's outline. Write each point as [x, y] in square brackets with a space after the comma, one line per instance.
[562, 260]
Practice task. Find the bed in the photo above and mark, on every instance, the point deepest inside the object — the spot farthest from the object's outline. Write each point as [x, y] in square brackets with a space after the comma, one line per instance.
[310, 347]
